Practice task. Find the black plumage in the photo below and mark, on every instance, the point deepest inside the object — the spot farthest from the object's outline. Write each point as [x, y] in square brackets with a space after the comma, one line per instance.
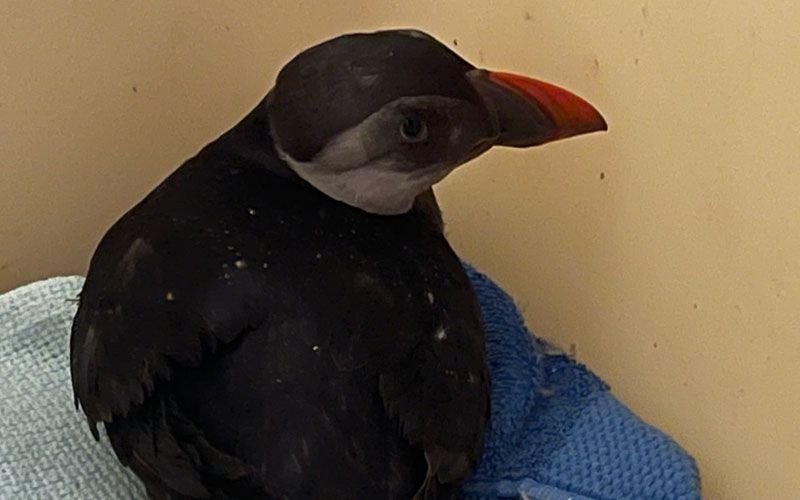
[243, 335]
[303, 318]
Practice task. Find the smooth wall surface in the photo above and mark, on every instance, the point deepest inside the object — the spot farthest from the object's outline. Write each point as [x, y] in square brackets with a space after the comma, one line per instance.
[665, 253]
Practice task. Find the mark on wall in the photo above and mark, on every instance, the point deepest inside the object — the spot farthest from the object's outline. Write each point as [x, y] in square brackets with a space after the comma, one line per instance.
[573, 350]
[594, 70]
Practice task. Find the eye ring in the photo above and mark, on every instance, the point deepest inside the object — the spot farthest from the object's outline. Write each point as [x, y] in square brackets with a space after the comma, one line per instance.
[413, 129]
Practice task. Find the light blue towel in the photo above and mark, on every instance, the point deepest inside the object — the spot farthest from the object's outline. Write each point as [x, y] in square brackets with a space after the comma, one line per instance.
[556, 433]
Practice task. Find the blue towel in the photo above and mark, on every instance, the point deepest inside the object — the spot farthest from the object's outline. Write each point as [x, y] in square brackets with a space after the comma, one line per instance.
[556, 433]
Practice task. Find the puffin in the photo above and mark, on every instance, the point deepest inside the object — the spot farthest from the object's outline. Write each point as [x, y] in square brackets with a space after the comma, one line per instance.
[282, 317]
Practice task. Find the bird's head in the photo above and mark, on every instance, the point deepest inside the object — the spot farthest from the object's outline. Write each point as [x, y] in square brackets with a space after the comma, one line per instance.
[374, 120]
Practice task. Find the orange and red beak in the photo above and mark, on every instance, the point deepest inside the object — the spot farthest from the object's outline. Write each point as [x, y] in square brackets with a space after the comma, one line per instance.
[530, 112]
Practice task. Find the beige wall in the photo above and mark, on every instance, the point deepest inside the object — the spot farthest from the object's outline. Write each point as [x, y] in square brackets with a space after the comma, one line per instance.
[676, 276]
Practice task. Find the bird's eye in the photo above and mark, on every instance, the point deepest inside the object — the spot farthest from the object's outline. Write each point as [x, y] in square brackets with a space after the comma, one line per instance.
[413, 129]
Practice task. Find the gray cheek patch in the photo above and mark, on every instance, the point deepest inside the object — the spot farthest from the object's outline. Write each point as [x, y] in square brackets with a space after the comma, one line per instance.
[363, 168]
[381, 187]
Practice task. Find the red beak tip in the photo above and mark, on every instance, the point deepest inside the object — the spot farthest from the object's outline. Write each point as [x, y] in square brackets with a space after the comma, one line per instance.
[596, 123]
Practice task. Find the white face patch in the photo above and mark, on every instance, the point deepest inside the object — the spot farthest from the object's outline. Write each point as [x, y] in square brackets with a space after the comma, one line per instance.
[350, 170]
[377, 187]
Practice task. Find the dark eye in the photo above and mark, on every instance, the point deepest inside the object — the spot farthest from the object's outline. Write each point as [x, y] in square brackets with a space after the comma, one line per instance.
[413, 129]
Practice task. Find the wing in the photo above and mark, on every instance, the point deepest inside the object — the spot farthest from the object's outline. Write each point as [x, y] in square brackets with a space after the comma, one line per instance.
[439, 394]
[163, 293]
[145, 306]
[169, 285]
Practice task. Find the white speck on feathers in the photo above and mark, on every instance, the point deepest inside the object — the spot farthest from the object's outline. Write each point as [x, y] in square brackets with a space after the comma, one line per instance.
[326, 418]
[367, 80]
[296, 463]
[251, 211]
[455, 135]
[240, 264]
[430, 297]
[315, 348]
[170, 296]
[415, 34]
[138, 250]
[441, 334]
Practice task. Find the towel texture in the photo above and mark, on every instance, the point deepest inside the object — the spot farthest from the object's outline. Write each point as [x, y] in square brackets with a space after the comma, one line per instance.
[556, 433]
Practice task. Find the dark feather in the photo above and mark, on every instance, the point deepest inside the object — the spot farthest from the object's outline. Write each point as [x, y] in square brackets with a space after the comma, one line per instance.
[242, 335]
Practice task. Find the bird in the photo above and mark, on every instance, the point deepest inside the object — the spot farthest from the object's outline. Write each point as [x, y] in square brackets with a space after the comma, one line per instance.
[282, 316]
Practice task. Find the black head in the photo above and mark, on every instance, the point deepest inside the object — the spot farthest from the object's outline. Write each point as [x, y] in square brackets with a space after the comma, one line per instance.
[373, 120]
